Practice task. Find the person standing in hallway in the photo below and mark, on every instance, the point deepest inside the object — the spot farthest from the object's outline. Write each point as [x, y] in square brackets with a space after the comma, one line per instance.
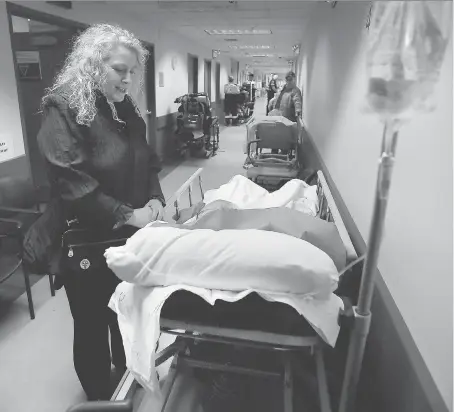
[289, 102]
[231, 91]
[105, 175]
[272, 90]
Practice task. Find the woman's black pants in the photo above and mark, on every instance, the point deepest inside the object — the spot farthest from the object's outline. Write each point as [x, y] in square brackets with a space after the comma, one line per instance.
[88, 294]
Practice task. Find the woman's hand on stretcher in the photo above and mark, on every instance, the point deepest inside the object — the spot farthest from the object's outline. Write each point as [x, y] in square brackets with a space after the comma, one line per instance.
[157, 208]
[142, 217]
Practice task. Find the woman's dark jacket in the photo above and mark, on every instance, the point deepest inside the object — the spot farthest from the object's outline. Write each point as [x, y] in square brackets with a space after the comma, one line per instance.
[103, 171]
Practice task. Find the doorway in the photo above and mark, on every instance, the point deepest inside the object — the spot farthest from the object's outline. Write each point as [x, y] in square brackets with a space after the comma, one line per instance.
[40, 44]
[193, 74]
[218, 82]
[207, 73]
[150, 99]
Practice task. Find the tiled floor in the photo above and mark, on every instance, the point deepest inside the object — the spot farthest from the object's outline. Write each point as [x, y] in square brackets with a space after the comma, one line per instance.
[36, 370]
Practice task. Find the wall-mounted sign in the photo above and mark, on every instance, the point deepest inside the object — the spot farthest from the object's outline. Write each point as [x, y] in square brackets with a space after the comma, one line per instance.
[28, 65]
[161, 79]
[6, 149]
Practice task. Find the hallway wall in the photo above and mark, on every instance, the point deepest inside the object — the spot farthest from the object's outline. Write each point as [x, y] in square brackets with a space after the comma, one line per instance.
[416, 257]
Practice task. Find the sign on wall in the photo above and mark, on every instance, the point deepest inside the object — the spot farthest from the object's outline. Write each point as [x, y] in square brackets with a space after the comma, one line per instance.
[29, 65]
[6, 148]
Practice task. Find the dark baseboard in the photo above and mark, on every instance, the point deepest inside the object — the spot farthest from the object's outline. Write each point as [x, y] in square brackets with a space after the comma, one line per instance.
[394, 375]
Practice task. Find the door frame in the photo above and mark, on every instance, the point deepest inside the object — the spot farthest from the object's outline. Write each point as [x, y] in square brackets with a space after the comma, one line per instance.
[17, 10]
[150, 95]
[207, 76]
[193, 69]
[217, 80]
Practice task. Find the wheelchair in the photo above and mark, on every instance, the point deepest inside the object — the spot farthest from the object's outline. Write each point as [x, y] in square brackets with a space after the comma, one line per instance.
[197, 128]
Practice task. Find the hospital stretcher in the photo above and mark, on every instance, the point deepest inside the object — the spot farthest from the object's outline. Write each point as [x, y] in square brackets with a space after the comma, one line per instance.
[241, 324]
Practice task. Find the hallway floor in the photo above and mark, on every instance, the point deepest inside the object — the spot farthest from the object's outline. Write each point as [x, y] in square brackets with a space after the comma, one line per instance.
[36, 373]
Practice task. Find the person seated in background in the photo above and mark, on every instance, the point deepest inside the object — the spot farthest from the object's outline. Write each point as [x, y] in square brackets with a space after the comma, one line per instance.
[250, 87]
[289, 102]
[231, 88]
[105, 175]
[231, 91]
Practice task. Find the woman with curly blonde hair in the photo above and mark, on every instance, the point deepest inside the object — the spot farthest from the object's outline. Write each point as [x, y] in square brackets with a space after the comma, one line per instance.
[104, 174]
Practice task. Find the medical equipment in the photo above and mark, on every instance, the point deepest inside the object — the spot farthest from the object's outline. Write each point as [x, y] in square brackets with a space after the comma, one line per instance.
[275, 134]
[290, 335]
[197, 128]
[401, 79]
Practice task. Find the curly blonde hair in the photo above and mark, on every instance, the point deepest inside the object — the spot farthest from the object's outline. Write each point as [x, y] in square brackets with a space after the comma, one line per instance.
[84, 71]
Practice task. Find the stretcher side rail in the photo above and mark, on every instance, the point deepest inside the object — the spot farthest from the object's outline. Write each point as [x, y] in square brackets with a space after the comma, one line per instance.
[188, 187]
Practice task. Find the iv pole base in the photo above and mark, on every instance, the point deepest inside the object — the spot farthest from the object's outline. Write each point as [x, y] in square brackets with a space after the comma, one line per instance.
[358, 339]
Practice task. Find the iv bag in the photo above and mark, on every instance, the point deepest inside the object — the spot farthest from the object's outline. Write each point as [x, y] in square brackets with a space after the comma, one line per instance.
[405, 53]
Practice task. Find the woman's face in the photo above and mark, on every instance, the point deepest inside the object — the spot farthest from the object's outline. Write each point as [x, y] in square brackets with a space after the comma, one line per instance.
[121, 69]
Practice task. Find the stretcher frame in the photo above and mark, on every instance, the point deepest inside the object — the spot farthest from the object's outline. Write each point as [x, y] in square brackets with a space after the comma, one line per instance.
[188, 333]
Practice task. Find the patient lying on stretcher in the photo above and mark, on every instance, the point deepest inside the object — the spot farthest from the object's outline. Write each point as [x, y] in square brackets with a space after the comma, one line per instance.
[242, 241]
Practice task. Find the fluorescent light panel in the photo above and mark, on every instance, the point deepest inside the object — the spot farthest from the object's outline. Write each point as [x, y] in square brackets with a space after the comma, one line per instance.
[250, 47]
[214, 32]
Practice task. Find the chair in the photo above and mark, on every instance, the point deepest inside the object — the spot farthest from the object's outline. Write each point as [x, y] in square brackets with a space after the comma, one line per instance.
[20, 205]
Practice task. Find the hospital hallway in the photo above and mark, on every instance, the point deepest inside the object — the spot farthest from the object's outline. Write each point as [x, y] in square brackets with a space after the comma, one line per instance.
[52, 385]
[359, 137]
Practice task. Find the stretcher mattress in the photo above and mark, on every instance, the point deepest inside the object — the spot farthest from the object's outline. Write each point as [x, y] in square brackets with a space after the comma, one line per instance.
[251, 313]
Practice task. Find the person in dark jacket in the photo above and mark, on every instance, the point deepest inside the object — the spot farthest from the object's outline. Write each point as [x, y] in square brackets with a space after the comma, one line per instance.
[272, 90]
[93, 139]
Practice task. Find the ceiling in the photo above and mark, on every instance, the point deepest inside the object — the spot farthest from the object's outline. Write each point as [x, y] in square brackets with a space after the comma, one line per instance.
[285, 20]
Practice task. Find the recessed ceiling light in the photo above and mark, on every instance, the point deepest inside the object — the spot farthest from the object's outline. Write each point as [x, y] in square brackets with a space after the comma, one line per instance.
[250, 47]
[237, 32]
[263, 55]
[231, 39]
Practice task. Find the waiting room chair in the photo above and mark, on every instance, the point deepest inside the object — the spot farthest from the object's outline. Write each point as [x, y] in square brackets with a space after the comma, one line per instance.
[20, 205]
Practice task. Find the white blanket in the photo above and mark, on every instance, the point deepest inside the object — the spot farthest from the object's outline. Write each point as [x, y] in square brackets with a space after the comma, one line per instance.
[139, 308]
[245, 194]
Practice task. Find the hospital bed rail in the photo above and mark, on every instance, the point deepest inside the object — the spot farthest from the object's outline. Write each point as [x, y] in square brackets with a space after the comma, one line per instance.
[286, 344]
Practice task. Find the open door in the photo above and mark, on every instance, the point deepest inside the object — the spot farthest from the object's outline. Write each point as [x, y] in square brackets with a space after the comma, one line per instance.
[193, 74]
[208, 78]
[218, 82]
[150, 91]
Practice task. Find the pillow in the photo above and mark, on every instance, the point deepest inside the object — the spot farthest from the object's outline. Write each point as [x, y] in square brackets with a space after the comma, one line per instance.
[232, 260]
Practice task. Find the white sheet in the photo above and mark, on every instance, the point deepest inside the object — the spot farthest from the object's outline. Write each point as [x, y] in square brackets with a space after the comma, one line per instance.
[242, 193]
[139, 308]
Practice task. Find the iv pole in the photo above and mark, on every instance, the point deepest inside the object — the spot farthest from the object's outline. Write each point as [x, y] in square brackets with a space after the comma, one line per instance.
[362, 313]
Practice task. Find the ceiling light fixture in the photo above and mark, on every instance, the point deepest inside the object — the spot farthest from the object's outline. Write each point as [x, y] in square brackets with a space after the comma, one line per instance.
[250, 47]
[214, 32]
